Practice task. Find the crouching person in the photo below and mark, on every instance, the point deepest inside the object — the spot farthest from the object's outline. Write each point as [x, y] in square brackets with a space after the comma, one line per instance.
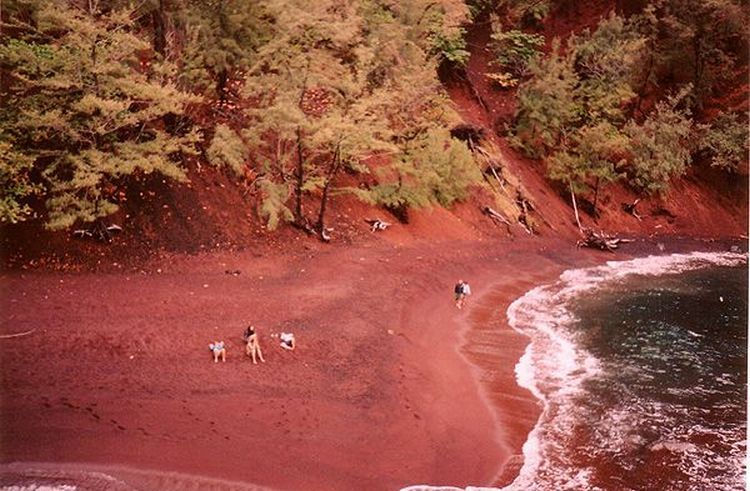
[287, 341]
[219, 351]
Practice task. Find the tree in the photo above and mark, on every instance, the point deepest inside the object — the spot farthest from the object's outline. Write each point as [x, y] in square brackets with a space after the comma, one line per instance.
[547, 106]
[222, 38]
[513, 50]
[594, 156]
[700, 42]
[606, 63]
[89, 109]
[434, 169]
[15, 184]
[660, 147]
[725, 141]
[315, 113]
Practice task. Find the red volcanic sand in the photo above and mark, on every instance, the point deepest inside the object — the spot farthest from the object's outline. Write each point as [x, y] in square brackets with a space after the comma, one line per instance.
[391, 385]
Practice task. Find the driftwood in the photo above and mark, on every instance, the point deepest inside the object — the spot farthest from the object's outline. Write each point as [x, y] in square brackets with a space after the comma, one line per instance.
[377, 224]
[497, 217]
[630, 208]
[98, 231]
[525, 206]
[494, 168]
[325, 234]
[575, 208]
[600, 240]
[17, 335]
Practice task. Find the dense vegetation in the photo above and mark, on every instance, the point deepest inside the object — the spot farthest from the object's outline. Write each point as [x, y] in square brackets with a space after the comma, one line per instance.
[98, 94]
[627, 102]
[305, 100]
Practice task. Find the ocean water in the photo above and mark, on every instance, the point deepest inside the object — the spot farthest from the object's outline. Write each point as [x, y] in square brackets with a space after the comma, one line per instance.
[640, 367]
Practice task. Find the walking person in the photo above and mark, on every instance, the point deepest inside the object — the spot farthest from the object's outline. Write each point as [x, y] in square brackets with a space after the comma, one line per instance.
[460, 292]
[466, 290]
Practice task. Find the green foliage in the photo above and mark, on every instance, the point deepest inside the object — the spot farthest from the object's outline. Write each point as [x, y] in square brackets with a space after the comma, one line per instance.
[594, 153]
[15, 184]
[273, 207]
[701, 42]
[605, 63]
[316, 110]
[533, 12]
[437, 27]
[453, 48]
[434, 169]
[88, 110]
[726, 142]
[513, 51]
[447, 167]
[586, 86]
[661, 145]
[337, 85]
[227, 150]
[223, 36]
[547, 105]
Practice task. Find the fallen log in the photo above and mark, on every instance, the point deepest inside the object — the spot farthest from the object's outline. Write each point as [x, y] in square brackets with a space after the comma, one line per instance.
[600, 240]
[497, 217]
[377, 224]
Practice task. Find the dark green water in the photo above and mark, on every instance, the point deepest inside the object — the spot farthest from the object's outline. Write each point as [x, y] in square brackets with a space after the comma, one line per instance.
[641, 369]
[668, 409]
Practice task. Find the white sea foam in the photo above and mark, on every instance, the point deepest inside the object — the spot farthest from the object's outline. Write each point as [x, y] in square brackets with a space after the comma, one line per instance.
[554, 367]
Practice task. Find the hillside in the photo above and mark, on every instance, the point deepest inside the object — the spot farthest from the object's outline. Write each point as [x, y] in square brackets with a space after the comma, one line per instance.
[216, 210]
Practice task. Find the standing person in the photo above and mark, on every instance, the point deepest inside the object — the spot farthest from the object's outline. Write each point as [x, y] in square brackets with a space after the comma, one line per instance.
[252, 348]
[458, 294]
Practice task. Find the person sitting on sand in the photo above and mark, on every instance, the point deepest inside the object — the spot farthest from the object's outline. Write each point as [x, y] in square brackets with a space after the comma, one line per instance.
[252, 348]
[219, 351]
[287, 341]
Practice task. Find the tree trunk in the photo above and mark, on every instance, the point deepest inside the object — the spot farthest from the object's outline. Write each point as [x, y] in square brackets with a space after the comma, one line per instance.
[332, 171]
[299, 175]
[698, 68]
[575, 208]
[596, 195]
[160, 32]
[221, 84]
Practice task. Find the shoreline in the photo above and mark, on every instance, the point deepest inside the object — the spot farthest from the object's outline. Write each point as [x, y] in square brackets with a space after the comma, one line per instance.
[376, 397]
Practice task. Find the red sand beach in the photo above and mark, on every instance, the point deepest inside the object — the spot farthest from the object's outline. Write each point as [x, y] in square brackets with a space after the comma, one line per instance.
[390, 385]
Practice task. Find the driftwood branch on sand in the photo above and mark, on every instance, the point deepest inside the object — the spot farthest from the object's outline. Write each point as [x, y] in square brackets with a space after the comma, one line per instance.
[596, 240]
[600, 240]
[18, 334]
[376, 224]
